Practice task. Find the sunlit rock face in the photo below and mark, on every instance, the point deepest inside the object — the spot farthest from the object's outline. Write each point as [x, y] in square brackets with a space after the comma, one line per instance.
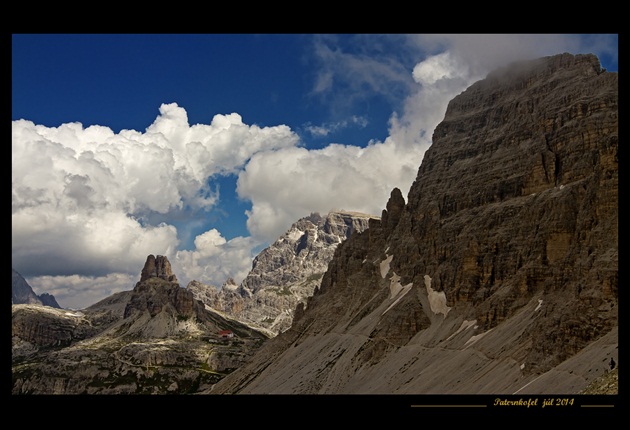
[286, 273]
[498, 273]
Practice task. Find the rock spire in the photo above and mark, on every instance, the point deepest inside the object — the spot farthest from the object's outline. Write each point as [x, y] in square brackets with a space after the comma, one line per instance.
[157, 267]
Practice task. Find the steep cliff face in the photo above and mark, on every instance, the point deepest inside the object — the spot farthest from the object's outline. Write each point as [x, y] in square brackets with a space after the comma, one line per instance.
[285, 273]
[498, 272]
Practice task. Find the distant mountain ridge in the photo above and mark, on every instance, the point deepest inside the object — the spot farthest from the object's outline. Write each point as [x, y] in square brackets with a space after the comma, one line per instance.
[23, 293]
[285, 273]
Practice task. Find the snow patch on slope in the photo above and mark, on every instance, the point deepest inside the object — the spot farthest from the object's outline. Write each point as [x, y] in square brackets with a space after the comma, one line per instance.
[385, 266]
[316, 235]
[394, 285]
[295, 235]
[474, 339]
[437, 300]
[396, 289]
[465, 325]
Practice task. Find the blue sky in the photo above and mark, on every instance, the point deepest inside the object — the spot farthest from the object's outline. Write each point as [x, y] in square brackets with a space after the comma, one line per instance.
[207, 147]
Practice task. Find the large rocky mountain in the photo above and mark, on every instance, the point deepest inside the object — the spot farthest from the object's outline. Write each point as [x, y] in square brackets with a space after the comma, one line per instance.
[498, 275]
[284, 274]
[154, 339]
[22, 293]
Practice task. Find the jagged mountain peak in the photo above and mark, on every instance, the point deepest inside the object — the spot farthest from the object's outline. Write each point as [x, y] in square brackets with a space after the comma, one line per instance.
[158, 292]
[304, 251]
[286, 272]
[230, 284]
[22, 293]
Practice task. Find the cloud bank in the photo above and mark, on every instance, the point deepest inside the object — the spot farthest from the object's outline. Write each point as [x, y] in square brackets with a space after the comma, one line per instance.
[82, 197]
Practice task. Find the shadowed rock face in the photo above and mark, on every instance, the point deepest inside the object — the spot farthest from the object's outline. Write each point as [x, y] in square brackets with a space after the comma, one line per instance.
[501, 266]
[22, 293]
[49, 300]
[517, 198]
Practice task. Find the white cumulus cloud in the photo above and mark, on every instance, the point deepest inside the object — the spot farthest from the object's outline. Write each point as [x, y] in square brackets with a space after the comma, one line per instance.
[215, 259]
[85, 200]
[78, 292]
[437, 67]
[287, 184]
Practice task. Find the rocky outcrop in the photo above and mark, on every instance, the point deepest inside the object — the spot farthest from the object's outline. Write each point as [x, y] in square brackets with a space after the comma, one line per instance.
[158, 267]
[284, 274]
[158, 291]
[155, 339]
[497, 274]
[226, 300]
[48, 327]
